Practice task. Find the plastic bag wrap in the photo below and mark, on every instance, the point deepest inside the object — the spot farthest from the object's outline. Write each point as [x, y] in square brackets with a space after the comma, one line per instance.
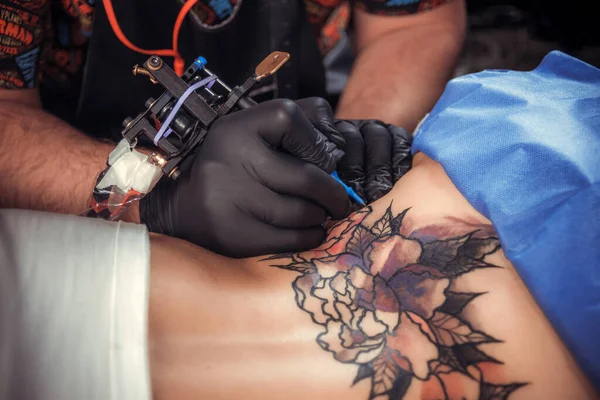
[129, 175]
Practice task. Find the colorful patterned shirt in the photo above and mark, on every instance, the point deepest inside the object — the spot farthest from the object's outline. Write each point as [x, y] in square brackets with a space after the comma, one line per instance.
[46, 39]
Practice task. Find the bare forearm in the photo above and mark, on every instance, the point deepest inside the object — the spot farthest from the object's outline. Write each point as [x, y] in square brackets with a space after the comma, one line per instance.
[399, 77]
[45, 164]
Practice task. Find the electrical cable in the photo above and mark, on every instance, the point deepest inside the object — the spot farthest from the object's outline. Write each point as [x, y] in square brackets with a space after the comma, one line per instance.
[179, 62]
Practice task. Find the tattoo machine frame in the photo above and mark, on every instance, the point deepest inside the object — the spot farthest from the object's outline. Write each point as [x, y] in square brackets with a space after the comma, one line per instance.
[176, 123]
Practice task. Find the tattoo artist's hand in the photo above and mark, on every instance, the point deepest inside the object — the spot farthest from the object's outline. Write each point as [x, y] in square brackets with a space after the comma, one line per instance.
[376, 156]
[320, 114]
[259, 184]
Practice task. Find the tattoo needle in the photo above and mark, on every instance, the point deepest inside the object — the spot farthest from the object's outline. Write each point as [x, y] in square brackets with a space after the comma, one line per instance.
[353, 195]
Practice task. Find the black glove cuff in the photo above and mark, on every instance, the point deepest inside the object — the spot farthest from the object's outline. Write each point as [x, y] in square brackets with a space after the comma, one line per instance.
[153, 210]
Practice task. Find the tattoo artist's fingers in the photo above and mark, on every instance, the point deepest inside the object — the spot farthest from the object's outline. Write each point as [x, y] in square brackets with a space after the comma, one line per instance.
[320, 114]
[378, 146]
[401, 157]
[352, 166]
[285, 174]
[266, 239]
[283, 211]
[283, 125]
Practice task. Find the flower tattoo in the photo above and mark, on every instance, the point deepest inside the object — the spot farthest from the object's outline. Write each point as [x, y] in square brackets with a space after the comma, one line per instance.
[382, 297]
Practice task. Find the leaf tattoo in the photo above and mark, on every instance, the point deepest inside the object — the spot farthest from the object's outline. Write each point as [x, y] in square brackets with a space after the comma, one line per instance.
[456, 302]
[459, 255]
[447, 357]
[383, 227]
[360, 241]
[469, 354]
[440, 253]
[364, 371]
[397, 222]
[388, 376]
[450, 331]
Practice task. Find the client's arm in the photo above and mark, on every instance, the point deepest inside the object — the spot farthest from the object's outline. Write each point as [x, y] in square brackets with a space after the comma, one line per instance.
[410, 298]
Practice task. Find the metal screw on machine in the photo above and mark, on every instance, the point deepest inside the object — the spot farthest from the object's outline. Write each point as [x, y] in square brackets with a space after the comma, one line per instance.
[158, 160]
[150, 102]
[175, 174]
[127, 122]
[155, 63]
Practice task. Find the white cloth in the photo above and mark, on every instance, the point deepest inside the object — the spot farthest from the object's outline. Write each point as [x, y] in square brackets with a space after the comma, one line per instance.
[73, 308]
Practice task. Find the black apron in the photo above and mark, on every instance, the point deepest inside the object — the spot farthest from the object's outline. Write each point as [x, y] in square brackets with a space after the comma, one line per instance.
[110, 92]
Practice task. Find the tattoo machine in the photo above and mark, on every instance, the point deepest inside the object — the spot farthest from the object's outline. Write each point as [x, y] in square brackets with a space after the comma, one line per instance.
[175, 123]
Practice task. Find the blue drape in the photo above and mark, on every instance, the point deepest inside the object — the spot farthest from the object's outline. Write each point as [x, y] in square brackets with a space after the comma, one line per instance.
[524, 149]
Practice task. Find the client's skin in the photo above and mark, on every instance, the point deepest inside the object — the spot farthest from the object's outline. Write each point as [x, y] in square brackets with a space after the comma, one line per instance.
[410, 298]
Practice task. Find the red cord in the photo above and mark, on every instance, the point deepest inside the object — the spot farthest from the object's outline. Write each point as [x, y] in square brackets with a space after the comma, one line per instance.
[179, 62]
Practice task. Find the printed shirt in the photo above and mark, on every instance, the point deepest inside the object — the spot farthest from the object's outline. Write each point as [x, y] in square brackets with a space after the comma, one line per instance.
[46, 39]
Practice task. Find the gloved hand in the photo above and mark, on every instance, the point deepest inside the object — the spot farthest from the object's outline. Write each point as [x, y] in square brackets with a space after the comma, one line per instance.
[258, 184]
[376, 156]
[320, 114]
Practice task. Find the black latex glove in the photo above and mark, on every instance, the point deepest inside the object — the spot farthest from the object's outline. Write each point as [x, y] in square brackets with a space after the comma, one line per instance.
[320, 114]
[259, 184]
[376, 156]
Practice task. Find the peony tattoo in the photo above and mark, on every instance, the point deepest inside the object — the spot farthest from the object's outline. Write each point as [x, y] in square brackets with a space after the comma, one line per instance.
[382, 297]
